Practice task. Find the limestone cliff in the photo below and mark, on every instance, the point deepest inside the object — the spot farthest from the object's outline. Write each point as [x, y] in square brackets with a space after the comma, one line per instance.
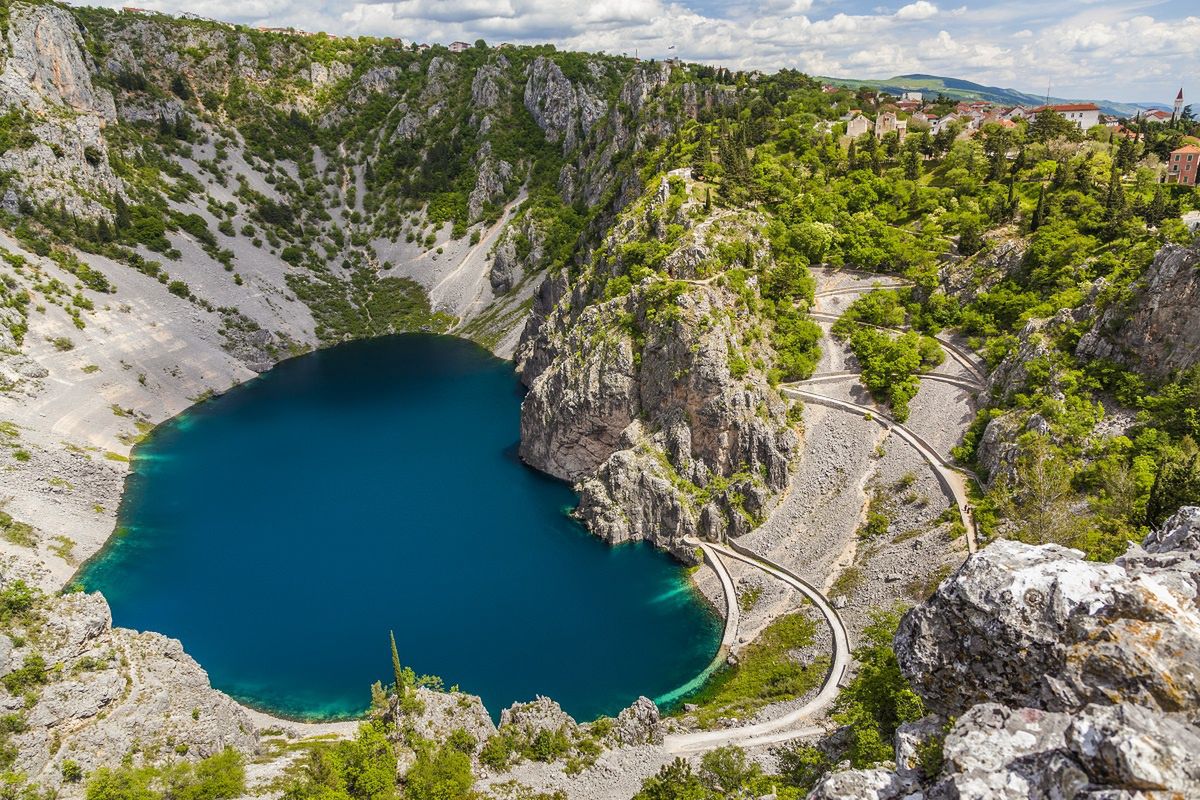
[652, 396]
[1063, 678]
[106, 692]
[1155, 331]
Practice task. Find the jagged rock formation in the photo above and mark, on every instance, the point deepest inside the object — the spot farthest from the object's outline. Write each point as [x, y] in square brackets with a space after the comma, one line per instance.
[442, 713]
[539, 714]
[639, 724]
[1065, 678]
[111, 691]
[563, 110]
[1157, 330]
[509, 264]
[655, 402]
[47, 64]
[47, 72]
[1086, 632]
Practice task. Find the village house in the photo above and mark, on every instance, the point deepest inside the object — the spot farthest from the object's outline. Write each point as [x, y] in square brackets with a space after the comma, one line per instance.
[887, 122]
[1156, 116]
[936, 126]
[459, 47]
[912, 97]
[1182, 165]
[857, 125]
[1084, 115]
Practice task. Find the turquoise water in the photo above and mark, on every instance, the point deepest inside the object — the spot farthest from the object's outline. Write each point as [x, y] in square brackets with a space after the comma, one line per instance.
[282, 529]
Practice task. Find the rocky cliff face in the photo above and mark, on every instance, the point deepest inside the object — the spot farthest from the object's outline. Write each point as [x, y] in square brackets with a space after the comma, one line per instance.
[1157, 330]
[107, 692]
[1066, 678]
[563, 110]
[654, 401]
[47, 73]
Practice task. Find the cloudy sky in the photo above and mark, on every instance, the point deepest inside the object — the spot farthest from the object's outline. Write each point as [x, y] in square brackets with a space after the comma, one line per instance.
[1101, 49]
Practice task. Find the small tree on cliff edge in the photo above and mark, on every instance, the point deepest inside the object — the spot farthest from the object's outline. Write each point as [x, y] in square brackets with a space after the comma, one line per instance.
[406, 681]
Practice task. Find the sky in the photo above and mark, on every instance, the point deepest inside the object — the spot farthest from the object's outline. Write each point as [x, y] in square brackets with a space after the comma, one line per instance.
[1138, 50]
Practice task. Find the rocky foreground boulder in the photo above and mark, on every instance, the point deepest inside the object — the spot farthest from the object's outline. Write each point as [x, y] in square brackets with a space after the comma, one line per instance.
[1062, 678]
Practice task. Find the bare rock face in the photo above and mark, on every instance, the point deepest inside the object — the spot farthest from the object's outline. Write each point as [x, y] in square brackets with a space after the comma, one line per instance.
[485, 86]
[1040, 627]
[540, 714]
[638, 724]
[564, 111]
[491, 176]
[995, 751]
[630, 123]
[576, 410]
[509, 264]
[655, 401]
[445, 712]
[1157, 330]
[862, 784]
[113, 691]
[48, 74]
[999, 752]
[1065, 679]
[552, 101]
[48, 64]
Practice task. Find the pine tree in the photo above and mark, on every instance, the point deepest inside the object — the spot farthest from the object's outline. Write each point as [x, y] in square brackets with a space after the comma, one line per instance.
[121, 218]
[1157, 211]
[912, 164]
[1176, 483]
[736, 182]
[707, 199]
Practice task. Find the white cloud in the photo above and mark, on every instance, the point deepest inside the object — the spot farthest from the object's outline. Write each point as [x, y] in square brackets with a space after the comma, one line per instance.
[922, 9]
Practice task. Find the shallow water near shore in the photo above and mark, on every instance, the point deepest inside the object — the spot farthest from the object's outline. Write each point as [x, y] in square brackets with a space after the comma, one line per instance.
[282, 529]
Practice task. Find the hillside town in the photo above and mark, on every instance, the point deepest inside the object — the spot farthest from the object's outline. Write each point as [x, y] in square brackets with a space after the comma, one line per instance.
[889, 119]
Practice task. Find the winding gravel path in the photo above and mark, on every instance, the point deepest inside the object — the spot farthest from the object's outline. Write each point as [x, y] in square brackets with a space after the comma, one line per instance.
[784, 728]
[958, 353]
[833, 377]
[952, 479]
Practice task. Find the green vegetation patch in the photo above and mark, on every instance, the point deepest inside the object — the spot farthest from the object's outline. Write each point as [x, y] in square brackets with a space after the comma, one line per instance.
[767, 671]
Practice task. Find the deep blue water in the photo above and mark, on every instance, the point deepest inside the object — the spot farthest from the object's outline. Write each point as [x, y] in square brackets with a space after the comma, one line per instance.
[282, 529]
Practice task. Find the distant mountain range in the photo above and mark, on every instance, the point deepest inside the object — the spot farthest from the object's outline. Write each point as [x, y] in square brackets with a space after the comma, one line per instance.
[967, 90]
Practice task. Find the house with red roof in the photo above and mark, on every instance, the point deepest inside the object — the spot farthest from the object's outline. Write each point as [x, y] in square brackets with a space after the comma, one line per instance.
[1182, 165]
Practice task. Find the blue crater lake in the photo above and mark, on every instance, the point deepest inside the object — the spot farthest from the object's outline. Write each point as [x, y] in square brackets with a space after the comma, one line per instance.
[282, 529]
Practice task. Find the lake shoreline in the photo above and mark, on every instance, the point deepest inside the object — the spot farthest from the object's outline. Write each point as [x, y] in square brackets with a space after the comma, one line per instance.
[684, 594]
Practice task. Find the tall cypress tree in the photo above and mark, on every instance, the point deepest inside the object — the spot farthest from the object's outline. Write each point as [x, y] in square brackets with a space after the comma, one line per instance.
[1114, 204]
[1039, 213]
[701, 156]
[397, 670]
